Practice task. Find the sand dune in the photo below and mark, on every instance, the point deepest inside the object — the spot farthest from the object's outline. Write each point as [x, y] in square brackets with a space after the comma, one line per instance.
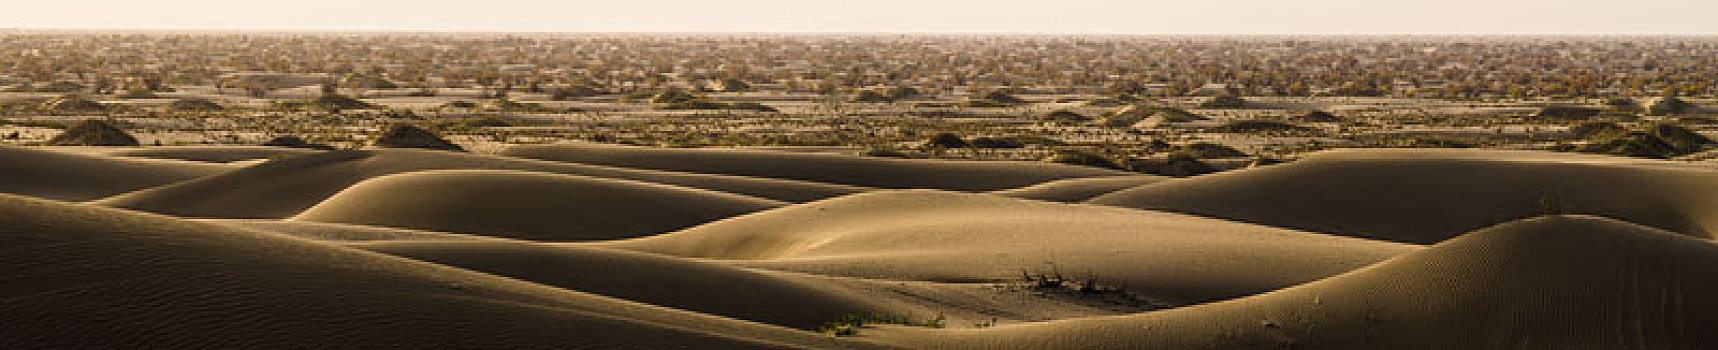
[285, 187]
[78, 276]
[1081, 189]
[954, 237]
[1426, 196]
[78, 177]
[220, 154]
[782, 298]
[1543, 283]
[430, 249]
[529, 205]
[789, 299]
[829, 168]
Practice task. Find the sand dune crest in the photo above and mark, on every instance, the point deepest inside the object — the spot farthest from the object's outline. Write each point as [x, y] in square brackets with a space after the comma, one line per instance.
[529, 205]
[286, 187]
[1426, 196]
[830, 168]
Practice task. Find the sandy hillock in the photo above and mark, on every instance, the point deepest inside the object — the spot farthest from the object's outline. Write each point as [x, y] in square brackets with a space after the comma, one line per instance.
[1543, 283]
[1428, 195]
[408, 136]
[295, 142]
[529, 205]
[76, 176]
[948, 236]
[93, 132]
[284, 187]
[829, 168]
[122, 279]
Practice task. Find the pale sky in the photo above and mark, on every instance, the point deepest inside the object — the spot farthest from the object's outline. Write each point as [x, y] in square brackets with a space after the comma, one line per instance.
[886, 16]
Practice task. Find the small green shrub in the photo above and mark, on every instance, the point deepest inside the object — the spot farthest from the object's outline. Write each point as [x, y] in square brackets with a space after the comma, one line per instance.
[1084, 158]
[849, 324]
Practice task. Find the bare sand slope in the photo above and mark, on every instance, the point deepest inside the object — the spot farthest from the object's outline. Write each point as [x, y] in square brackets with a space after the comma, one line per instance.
[79, 177]
[218, 154]
[830, 168]
[1543, 283]
[960, 237]
[529, 205]
[285, 187]
[782, 298]
[346, 233]
[1426, 196]
[79, 276]
[789, 299]
[1081, 189]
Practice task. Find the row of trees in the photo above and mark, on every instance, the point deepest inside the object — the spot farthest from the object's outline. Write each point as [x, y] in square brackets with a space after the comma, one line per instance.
[1424, 67]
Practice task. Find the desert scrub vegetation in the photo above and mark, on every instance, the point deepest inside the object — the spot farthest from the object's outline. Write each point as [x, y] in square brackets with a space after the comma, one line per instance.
[1204, 150]
[1670, 105]
[295, 142]
[884, 152]
[1066, 116]
[1261, 126]
[1090, 290]
[849, 324]
[1595, 129]
[1083, 158]
[1659, 140]
[1225, 101]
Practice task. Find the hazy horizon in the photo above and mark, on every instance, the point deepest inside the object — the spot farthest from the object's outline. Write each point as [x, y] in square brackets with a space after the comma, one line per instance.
[1458, 17]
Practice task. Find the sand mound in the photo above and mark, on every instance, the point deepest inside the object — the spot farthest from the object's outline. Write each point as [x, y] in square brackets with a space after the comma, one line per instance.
[295, 142]
[77, 177]
[829, 168]
[218, 154]
[956, 237]
[285, 187]
[1543, 283]
[120, 279]
[1081, 189]
[1426, 196]
[528, 205]
[93, 132]
[408, 136]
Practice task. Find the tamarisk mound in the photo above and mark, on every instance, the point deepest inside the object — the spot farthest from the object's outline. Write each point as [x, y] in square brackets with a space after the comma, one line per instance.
[408, 136]
[296, 142]
[93, 132]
